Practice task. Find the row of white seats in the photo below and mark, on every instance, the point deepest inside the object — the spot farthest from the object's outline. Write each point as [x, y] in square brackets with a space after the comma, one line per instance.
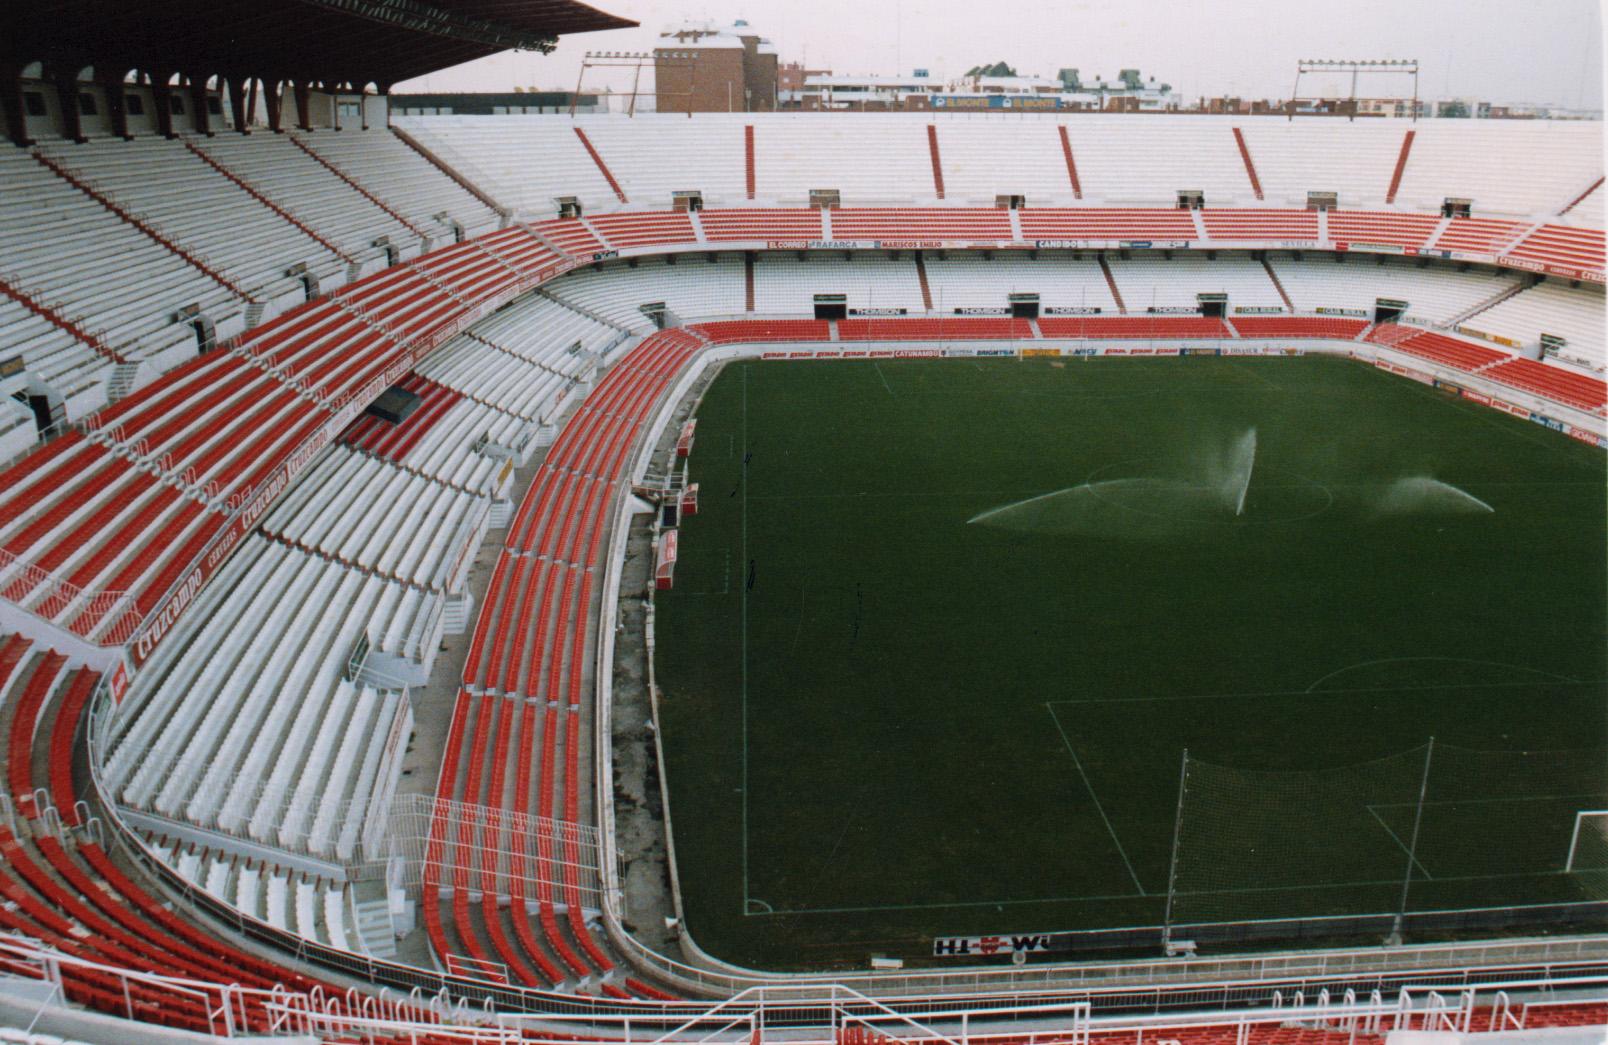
[235, 724]
[691, 288]
[244, 721]
[311, 907]
[970, 281]
[304, 189]
[77, 257]
[455, 449]
[1435, 294]
[50, 353]
[1508, 167]
[205, 214]
[364, 511]
[496, 378]
[1575, 314]
[406, 182]
[784, 284]
[1157, 282]
[549, 334]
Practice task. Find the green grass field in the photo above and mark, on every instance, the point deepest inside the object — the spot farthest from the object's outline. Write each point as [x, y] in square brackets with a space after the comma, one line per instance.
[886, 719]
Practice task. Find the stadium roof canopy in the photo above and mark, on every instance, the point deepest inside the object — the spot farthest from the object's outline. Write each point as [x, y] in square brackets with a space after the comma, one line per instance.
[323, 41]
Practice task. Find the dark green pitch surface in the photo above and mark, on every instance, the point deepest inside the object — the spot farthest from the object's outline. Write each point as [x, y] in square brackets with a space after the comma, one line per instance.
[884, 724]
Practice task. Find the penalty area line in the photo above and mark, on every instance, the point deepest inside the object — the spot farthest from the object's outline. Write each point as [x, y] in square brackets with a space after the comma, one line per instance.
[1098, 808]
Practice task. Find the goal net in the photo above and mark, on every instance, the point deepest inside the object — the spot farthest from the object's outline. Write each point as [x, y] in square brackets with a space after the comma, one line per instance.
[1474, 829]
[1588, 852]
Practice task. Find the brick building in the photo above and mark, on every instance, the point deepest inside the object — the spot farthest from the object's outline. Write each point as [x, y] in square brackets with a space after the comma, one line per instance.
[704, 67]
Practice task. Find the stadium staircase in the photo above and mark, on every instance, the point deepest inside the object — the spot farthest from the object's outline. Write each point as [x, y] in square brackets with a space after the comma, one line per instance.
[94, 342]
[1517, 287]
[597, 158]
[1572, 204]
[1401, 166]
[1250, 167]
[749, 170]
[1071, 163]
[258, 195]
[340, 173]
[77, 181]
[937, 160]
[1284, 295]
[1111, 283]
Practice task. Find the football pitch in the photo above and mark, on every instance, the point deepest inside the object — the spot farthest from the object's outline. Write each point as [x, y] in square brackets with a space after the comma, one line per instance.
[943, 631]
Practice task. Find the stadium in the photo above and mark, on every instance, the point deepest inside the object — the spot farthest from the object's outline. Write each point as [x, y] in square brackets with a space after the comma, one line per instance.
[756, 576]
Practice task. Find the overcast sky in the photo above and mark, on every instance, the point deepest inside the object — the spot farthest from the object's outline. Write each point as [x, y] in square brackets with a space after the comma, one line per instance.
[1507, 51]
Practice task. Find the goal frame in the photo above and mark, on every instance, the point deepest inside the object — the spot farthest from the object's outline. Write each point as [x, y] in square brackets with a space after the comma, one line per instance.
[1574, 835]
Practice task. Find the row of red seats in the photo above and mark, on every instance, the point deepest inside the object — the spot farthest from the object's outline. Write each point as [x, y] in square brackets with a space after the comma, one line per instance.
[1387, 228]
[1299, 326]
[1557, 383]
[521, 705]
[1563, 246]
[1477, 235]
[761, 224]
[738, 331]
[1136, 224]
[922, 223]
[968, 327]
[1172, 327]
[643, 229]
[1261, 224]
[1451, 351]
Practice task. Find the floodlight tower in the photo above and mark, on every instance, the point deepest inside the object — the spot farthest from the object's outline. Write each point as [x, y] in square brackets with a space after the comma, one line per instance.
[1392, 66]
[633, 60]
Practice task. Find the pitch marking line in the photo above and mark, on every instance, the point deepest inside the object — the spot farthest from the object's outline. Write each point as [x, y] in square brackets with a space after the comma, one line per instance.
[745, 567]
[1048, 706]
[878, 368]
[1400, 844]
[1331, 692]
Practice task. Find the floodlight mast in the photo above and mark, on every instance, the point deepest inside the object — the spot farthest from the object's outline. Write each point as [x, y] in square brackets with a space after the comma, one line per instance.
[1391, 66]
[633, 60]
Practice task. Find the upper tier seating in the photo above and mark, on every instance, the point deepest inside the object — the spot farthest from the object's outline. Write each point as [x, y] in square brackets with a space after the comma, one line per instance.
[1295, 157]
[834, 150]
[1005, 154]
[404, 181]
[654, 155]
[305, 189]
[205, 214]
[503, 154]
[1145, 160]
[1509, 168]
[70, 252]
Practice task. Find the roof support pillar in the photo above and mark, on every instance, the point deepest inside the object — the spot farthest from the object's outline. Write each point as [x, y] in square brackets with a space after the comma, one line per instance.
[111, 85]
[271, 100]
[11, 99]
[198, 102]
[66, 81]
[304, 108]
[162, 94]
[237, 104]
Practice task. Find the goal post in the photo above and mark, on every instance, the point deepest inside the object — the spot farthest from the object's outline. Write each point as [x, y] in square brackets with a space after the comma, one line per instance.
[1588, 842]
